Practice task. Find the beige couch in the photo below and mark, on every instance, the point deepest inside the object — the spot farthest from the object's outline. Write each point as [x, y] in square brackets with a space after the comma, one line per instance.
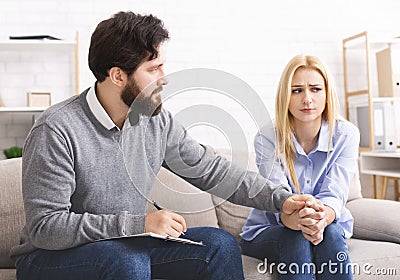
[374, 249]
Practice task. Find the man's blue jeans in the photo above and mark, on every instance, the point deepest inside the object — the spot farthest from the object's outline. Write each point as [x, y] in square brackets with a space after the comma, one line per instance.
[292, 256]
[128, 258]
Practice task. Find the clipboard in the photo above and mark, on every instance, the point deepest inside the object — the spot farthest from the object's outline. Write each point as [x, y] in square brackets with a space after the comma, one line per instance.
[158, 236]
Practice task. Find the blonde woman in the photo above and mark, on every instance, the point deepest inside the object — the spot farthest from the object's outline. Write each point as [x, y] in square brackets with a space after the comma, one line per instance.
[314, 151]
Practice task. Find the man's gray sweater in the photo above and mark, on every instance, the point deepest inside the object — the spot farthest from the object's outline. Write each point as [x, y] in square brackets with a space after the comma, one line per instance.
[82, 182]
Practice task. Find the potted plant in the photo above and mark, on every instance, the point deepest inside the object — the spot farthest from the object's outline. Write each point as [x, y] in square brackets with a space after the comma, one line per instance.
[13, 152]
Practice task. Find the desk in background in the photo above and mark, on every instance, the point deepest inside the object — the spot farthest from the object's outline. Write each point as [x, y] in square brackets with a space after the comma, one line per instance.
[386, 165]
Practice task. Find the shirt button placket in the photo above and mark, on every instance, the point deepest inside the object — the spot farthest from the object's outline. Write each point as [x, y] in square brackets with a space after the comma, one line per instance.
[309, 174]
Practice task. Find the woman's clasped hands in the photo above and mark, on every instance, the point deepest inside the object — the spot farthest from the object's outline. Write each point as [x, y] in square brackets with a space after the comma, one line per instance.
[311, 220]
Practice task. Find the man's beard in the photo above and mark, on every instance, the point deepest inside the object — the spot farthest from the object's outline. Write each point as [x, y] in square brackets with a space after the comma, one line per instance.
[143, 104]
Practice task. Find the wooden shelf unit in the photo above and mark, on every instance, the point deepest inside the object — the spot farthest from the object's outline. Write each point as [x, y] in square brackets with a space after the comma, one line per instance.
[362, 43]
[22, 109]
[37, 45]
[349, 43]
[47, 45]
[40, 46]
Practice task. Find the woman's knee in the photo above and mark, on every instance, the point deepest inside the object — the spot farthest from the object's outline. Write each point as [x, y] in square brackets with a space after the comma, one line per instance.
[287, 236]
[334, 233]
[275, 242]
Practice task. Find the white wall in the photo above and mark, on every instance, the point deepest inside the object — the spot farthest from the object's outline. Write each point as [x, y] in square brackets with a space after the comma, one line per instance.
[250, 39]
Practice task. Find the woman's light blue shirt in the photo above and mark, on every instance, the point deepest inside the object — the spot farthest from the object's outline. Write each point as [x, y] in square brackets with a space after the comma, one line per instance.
[325, 176]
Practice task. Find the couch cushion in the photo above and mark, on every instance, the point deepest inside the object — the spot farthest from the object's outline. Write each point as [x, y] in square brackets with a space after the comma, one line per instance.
[173, 193]
[12, 216]
[368, 222]
[371, 257]
[231, 217]
[8, 274]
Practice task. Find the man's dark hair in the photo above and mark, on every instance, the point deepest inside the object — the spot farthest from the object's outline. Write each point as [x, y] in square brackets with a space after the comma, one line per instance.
[125, 41]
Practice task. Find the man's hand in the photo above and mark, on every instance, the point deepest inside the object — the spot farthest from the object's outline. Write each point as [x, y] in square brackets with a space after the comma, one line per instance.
[291, 221]
[299, 201]
[165, 223]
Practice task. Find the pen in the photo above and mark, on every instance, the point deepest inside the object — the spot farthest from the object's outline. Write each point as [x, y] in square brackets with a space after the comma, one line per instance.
[156, 205]
[159, 208]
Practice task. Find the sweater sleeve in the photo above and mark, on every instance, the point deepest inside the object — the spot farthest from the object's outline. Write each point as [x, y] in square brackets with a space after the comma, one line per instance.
[201, 166]
[48, 183]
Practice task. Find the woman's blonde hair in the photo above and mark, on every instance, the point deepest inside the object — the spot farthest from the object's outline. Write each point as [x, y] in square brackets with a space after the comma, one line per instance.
[284, 119]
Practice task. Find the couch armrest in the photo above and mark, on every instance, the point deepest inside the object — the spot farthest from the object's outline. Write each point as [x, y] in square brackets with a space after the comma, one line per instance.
[376, 219]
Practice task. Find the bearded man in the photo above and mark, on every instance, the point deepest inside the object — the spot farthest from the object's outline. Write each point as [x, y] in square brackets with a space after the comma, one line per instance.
[77, 188]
